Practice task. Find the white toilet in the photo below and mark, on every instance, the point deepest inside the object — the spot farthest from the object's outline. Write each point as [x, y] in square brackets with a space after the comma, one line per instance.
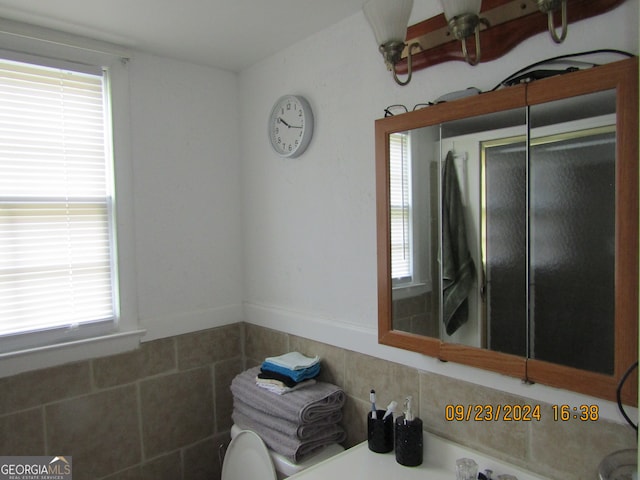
[248, 457]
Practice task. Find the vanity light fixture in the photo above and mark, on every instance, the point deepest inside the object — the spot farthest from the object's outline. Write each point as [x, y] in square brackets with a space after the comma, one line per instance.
[389, 20]
[463, 18]
[549, 7]
[437, 39]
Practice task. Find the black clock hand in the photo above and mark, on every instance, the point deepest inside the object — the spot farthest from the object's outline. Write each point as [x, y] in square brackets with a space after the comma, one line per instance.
[288, 126]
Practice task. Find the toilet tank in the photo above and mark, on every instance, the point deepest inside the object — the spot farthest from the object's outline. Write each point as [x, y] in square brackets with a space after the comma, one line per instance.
[285, 467]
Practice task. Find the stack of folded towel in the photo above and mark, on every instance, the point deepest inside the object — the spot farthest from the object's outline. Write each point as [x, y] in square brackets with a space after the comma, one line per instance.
[288, 372]
[295, 424]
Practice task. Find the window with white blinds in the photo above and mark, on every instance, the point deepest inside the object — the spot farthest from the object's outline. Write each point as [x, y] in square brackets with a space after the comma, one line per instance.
[400, 208]
[57, 268]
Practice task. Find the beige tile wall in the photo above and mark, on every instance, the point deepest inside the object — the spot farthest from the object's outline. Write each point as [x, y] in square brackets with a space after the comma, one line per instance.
[161, 411]
[414, 314]
[558, 450]
[158, 413]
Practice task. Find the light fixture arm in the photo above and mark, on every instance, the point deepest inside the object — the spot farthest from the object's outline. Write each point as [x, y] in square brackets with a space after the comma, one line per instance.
[552, 28]
[549, 7]
[462, 27]
[409, 66]
[470, 61]
[392, 54]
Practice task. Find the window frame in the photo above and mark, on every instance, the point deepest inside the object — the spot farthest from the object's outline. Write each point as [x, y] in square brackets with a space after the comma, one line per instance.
[32, 44]
[404, 209]
[418, 281]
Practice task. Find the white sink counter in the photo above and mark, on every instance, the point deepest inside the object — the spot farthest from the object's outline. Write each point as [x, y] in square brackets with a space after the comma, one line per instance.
[359, 463]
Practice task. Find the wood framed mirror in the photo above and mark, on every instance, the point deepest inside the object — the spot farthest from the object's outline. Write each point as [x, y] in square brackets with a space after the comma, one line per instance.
[508, 230]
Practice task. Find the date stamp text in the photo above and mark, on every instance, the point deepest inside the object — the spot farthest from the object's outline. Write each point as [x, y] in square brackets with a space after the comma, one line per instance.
[518, 413]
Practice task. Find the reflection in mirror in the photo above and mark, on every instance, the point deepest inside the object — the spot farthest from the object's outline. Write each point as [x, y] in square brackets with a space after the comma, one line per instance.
[416, 200]
[413, 211]
[572, 233]
[525, 235]
[504, 243]
[463, 295]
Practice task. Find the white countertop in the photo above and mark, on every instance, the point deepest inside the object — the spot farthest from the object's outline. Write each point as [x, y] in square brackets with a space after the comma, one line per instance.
[359, 463]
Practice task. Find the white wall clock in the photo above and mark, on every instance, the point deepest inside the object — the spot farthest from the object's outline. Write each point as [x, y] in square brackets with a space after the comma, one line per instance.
[290, 126]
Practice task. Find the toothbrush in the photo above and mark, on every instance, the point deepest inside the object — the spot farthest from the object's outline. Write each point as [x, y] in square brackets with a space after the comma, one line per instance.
[372, 399]
[390, 409]
[408, 413]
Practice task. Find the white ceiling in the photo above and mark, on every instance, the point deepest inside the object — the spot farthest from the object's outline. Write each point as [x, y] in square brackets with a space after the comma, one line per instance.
[230, 34]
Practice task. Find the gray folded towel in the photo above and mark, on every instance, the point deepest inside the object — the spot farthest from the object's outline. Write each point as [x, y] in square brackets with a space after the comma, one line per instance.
[291, 447]
[306, 405]
[305, 431]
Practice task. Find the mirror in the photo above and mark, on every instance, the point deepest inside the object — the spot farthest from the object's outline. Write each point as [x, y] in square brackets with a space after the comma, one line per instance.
[507, 229]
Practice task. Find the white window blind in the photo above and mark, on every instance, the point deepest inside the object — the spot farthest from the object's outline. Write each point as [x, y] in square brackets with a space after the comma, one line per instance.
[400, 206]
[56, 253]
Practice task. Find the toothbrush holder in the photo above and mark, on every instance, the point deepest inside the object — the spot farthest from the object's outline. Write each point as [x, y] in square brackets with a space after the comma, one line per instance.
[409, 441]
[380, 432]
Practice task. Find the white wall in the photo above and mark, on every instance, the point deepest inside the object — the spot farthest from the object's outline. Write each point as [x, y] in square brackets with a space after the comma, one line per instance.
[184, 130]
[309, 228]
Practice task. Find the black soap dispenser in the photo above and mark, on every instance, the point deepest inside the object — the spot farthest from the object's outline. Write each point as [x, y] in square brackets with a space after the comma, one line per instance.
[408, 437]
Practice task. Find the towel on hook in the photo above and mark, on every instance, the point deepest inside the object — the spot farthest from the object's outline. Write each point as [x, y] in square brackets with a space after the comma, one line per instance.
[458, 269]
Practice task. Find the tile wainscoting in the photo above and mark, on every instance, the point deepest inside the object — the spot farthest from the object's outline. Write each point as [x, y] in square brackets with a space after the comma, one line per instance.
[158, 412]
[558, 450]
[161, 411]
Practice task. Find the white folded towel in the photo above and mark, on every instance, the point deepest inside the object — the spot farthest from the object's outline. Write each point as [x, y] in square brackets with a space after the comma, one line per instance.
[280, 388]
[293, 361]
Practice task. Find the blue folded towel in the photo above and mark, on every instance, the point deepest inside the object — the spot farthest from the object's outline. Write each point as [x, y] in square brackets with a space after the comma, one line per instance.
[293, 361]
[295, 375]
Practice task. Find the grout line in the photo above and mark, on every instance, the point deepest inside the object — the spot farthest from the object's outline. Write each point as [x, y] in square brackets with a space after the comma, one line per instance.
[214, 383]
[421, 414]
[92, 377]
[43, 419]
[140, 427]
[182, 462]
[176, 365]
[243, 345]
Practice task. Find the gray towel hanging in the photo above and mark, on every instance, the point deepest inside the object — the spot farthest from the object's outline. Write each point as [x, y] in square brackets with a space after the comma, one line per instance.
[458, 270]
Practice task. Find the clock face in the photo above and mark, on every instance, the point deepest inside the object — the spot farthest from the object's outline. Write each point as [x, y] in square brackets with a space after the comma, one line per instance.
[290, 126]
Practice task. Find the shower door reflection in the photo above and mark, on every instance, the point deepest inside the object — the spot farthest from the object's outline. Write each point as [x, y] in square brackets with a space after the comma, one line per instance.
[504, 243]
[548, 247]
[572, 252]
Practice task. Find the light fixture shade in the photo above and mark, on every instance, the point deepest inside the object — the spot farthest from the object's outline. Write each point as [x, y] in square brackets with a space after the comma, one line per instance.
[388, 19]
[454, 8]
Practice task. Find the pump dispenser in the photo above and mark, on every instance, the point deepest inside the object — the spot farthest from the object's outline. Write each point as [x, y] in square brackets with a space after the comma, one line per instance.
[408, 437]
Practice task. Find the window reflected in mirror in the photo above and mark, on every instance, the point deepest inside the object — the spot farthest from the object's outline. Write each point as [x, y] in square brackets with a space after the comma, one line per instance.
[413, 212]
